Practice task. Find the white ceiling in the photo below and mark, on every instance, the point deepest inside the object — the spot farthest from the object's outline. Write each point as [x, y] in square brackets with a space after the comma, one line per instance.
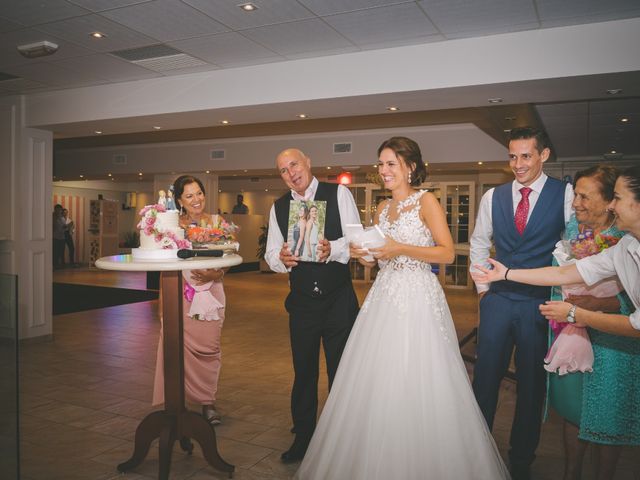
[217, 34]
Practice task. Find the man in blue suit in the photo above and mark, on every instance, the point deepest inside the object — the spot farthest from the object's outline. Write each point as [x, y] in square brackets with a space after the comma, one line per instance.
[523, 220]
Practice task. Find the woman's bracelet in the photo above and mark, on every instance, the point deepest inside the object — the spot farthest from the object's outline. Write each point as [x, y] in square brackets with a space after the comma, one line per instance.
[506, 273]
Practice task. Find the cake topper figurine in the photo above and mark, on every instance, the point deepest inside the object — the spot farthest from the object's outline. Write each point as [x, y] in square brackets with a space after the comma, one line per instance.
[171, 203]
[162, 198]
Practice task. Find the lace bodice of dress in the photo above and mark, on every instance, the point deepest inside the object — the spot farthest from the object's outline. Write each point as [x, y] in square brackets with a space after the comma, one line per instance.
[406, 228]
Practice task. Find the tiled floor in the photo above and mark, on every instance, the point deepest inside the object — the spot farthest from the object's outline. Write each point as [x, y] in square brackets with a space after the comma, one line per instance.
[84, 393]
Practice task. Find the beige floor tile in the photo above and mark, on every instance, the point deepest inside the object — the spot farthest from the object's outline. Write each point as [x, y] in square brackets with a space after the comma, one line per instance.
[83, 394]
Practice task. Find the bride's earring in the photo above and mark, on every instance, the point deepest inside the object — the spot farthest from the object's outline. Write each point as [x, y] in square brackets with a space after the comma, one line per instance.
[409, 177]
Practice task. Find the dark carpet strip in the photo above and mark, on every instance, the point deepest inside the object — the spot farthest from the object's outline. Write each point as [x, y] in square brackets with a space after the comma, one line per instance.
[69, 298]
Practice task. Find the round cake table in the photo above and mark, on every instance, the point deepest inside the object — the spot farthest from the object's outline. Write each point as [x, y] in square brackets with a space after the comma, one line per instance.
[175, 422]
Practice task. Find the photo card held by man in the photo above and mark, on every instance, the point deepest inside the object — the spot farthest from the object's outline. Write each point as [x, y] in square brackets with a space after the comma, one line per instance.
[306, 228]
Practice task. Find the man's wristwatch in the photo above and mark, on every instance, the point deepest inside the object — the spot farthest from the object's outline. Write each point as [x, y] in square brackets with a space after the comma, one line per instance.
[571, 316]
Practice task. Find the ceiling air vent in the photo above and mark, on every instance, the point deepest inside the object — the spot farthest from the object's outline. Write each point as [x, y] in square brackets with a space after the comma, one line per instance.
[158, 58]
[120, 159]
[341, 148]
[217, 155]
[255, 179]
[332, 178]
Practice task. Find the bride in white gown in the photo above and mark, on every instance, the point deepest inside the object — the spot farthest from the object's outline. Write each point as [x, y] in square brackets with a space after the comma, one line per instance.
[401, 405]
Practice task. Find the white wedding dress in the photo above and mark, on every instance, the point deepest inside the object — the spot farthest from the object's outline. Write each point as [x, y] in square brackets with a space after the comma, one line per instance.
[401, 405]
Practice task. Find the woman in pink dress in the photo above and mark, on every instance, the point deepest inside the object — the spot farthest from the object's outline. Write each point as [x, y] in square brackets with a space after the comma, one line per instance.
[203, 314]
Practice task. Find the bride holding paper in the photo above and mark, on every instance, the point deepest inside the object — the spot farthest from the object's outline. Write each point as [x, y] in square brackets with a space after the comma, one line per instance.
[401, 404]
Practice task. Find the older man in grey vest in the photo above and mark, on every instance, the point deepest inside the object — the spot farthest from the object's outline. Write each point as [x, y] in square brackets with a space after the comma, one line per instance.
[322, 304]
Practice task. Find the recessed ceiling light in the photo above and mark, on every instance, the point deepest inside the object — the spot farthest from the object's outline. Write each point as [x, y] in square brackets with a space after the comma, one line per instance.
[613, 151]
[219, 191]
[248, 7]
[112, 179]
[479, 163]
[225, 122]
[97, 35]
[207, 171]
[156, 127]
[510, 119]
[302, 115]
[245, 171]
[98, 132]
[266, 189]
[81, 176]
[614, 91]
[109, 175]
[393, 109]
[494, 100]
[328, 168]
[624, 120]
[139, 174]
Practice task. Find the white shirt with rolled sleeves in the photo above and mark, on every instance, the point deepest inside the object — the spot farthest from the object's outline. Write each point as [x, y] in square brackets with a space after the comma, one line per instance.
[482, 237]
[339, 247]
[623, 260]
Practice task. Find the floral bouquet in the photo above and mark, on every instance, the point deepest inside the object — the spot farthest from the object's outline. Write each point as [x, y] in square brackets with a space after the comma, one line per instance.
[571, 351]
[166, 239]
[220, 232]
[585, 245]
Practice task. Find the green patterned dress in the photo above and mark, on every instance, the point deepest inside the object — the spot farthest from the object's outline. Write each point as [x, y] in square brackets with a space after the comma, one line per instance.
[605, 403]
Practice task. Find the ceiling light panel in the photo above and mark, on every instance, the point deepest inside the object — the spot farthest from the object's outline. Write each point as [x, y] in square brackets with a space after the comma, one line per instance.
[332, 7]
[268, 13]
[227, 50]
[299, 37]
[100, 5]
[378, 25]
[118, 37]
[7, 25]
[166, 20]
[468, 18]
[553, 13]
[108, 67]
[31, 12]
[54, 74]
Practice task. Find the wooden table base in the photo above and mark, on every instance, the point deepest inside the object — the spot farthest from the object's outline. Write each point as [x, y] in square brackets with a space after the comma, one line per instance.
[175, 422]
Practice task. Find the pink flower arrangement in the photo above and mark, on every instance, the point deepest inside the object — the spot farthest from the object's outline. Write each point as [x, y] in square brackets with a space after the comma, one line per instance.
[221, 233]
[587, 244]
[167, 240]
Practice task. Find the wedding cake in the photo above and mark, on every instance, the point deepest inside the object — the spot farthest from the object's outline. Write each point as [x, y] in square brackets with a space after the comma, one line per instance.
[160, 234]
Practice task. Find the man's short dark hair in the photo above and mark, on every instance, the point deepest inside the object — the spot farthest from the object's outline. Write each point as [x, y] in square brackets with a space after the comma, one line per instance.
[525, 133]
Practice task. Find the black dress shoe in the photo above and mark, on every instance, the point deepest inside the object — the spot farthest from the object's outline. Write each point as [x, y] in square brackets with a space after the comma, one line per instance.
[296, 451]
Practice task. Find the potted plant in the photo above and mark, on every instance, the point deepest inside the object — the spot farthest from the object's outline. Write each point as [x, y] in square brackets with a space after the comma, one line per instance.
[262, 248]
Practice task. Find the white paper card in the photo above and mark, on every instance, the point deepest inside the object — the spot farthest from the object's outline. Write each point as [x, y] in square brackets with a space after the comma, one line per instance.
[370, 237]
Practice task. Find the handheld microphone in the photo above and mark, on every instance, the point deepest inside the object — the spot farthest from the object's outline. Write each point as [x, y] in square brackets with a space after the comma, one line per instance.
[185, 253]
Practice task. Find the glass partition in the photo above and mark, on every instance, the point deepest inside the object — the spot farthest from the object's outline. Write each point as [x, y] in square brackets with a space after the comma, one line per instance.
[9, 443]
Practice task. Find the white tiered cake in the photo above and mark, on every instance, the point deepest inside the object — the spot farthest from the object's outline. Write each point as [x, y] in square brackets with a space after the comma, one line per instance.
[160, 234]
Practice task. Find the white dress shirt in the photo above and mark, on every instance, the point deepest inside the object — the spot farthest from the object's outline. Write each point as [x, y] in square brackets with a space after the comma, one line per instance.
[623, 260]
[482, 236]
[339, 247]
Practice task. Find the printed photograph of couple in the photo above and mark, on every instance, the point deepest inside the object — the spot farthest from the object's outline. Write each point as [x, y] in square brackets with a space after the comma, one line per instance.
[306, 228]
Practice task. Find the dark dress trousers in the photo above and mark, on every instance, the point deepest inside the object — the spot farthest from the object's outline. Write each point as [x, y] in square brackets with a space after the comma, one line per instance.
[509, 316]
[322, 307]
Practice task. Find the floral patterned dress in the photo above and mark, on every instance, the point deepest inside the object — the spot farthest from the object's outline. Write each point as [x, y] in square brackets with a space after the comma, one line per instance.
[605, 403]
